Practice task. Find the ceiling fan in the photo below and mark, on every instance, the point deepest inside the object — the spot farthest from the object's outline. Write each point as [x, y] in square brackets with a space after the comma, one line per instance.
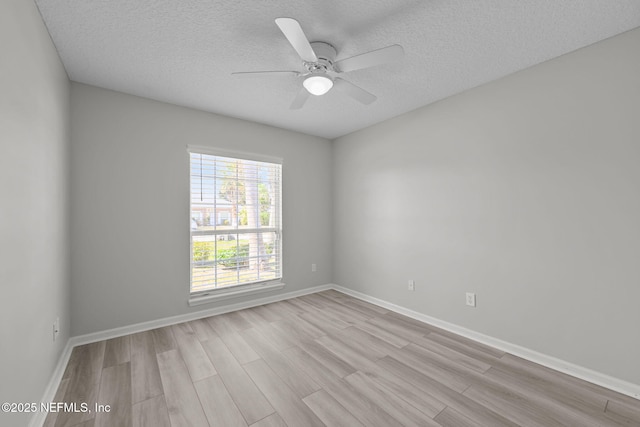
[321, 68]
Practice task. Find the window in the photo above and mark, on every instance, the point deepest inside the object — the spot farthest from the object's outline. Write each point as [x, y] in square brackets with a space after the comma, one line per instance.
[236, 221]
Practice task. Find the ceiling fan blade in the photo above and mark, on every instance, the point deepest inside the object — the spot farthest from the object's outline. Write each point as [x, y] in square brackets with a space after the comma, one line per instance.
[293, 32]
[370, 59]
[354, 91]
[300, 99]
[265, 73]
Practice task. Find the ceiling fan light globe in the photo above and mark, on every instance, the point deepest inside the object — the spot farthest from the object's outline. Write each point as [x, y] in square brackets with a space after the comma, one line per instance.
[317, 85]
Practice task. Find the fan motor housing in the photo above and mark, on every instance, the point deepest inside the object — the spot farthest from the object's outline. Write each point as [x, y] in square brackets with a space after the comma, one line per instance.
[326, 56]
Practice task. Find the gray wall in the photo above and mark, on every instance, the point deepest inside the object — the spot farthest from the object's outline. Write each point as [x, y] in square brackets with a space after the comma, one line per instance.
[34, 259]
[525, 191]
[130, 204]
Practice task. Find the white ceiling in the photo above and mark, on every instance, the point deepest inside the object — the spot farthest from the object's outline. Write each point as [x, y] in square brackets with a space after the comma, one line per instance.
[184, 51]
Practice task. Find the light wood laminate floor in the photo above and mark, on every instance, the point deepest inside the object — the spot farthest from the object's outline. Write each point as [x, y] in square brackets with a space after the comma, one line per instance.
[322, 359]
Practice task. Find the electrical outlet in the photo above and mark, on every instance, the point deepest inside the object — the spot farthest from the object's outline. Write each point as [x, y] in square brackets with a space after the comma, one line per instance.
[314, 268]
[56, 328]
[412, 285]
[471, 299]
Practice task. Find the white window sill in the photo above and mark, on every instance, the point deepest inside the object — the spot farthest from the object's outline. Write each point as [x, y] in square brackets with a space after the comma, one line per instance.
[223, 294]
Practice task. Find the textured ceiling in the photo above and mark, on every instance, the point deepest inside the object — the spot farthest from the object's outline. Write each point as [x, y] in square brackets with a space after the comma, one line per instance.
[184, 51]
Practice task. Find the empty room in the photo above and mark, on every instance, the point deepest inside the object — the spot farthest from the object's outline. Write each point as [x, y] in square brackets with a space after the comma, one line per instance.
[341, 213]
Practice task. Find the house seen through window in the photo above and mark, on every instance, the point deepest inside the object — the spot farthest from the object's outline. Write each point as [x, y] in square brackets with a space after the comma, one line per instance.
[236, 224]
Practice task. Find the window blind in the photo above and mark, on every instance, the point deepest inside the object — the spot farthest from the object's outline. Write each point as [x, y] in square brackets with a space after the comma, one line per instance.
[236, 221]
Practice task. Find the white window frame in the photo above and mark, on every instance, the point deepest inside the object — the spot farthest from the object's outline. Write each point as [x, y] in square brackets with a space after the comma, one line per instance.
[243, 289]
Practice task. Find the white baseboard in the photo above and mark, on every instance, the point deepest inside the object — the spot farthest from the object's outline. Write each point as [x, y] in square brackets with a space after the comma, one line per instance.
[607, 381]
[166, 321]
[39, 417]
